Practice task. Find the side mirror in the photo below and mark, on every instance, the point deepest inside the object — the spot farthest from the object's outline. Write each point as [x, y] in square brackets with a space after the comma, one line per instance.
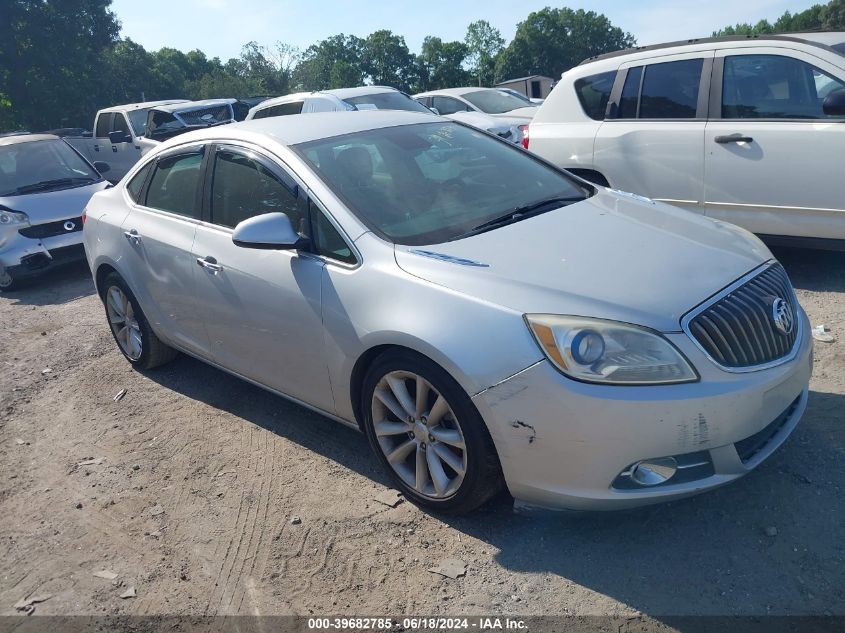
[119, 136]
[435, 110]
[270, 231]
[834, 103]
[102, 167]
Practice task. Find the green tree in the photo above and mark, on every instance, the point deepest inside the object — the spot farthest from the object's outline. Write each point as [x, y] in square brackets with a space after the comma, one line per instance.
[335, 62]
[440, 64]
[551, 41]
[827, 17]
[50, 60]
[387, 60]
[484, 43]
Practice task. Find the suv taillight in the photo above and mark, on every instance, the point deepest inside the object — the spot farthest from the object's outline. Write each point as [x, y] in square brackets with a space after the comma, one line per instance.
[84, 215]
[524, 130]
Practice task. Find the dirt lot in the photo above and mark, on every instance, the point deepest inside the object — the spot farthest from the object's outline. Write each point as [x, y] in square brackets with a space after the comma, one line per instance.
[195, 479]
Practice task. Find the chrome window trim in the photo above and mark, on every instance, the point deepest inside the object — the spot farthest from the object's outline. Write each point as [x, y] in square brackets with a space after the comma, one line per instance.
[689, 316]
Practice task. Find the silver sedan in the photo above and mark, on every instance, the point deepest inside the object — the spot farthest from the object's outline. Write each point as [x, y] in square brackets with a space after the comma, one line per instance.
[485, 318]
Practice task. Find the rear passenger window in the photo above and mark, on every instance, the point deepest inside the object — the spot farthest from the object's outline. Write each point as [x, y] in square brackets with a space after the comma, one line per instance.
[670, 90]
[594, 92]
[774, 87]
[243, 188]
[174, 185]
[283, 109]
[137, 183]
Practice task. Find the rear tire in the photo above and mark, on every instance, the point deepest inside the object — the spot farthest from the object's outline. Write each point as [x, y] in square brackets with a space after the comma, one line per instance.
[131, 331]
[430, 438]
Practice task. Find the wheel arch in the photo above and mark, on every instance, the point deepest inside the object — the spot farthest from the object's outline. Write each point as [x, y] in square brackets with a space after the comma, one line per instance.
[369, 356]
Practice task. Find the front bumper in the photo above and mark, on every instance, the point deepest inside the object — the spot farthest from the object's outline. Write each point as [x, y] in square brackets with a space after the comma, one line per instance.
[28, 257]
[563, 444]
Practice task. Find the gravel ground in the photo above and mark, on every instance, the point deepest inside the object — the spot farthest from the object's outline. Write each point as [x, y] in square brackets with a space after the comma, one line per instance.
[210, 496]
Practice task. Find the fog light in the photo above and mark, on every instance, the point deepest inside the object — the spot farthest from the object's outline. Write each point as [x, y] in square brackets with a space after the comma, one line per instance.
[654, 471]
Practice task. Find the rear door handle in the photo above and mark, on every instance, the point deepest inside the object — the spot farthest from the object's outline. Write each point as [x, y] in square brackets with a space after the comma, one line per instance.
[733, 138]
[132, 236]
[210, 264]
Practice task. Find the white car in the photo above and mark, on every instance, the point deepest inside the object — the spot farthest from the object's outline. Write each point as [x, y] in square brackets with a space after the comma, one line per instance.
[745, 130]
[116, 140]
[337, 100]
[488, 109]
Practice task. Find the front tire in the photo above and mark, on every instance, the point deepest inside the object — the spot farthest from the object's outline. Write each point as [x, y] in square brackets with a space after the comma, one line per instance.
[427, 433]
[130, 328]
[7, 282]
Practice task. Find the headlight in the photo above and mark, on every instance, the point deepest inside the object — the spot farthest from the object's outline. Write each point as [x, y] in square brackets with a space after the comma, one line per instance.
[12, 217]
[595, 350]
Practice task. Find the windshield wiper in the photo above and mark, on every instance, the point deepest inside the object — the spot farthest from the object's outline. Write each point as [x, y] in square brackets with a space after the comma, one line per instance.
[52, 184]
[522, 212]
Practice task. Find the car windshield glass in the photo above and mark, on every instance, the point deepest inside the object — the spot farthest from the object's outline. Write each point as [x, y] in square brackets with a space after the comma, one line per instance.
[42, 166]
[434, 182]
[138, 120]
[494, 101]
[386, 101]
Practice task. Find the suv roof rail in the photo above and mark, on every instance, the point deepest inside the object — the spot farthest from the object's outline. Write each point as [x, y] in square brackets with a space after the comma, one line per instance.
[791, 37]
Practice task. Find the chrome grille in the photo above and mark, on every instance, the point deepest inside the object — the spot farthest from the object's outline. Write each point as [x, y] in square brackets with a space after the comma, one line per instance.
[738, 330]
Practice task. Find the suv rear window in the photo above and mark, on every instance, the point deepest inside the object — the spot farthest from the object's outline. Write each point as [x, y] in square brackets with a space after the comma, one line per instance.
[594, 92]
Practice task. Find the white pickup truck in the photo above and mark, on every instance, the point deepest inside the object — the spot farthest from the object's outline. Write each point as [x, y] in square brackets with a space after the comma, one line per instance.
[116, 136]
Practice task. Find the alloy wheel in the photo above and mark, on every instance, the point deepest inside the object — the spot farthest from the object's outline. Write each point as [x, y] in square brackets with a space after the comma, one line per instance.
[123, 323]
[419, 434]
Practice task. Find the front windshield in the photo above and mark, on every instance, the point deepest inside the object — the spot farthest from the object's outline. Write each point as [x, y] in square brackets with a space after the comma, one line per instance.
[138, 119]
[41, 166]
[432, 182]
[494, 101]
[386, 101]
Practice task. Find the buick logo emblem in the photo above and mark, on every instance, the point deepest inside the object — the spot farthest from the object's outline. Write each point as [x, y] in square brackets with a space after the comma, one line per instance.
[69, 226]
[782, 316]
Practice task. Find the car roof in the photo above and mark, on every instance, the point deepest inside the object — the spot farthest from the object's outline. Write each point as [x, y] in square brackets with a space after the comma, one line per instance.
[453, 92]
[187, 106]
[302, 128]
[145, 104]
[346, 93]
[294, 96]
[825, 39]
[26, 137]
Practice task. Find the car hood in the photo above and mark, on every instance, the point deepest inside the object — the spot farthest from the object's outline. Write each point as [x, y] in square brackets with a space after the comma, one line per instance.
[613, 256]
[49, 206]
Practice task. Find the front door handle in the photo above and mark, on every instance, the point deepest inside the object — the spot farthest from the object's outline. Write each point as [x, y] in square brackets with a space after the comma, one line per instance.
[96, 148]
[733, 138]
[132, 236]
[210, 264]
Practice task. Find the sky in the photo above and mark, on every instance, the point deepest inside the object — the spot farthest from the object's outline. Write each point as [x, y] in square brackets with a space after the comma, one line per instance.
[220, 28]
